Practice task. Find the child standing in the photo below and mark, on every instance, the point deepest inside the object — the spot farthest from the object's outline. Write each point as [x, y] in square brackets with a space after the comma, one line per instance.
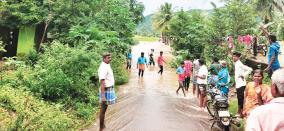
[180, 72]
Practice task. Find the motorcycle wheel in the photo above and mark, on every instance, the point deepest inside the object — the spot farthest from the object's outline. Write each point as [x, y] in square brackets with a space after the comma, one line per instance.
[210, 108]
[226, 128]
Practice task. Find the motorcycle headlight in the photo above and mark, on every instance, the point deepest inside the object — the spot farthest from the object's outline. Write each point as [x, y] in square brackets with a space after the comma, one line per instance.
[225, 119]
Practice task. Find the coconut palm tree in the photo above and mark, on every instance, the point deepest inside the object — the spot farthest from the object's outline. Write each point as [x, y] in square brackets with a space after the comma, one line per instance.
[162, 19]
[267, 7]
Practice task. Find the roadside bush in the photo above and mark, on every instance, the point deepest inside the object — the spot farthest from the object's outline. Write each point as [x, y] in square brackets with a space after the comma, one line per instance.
[31, 58]
[29, 113]
[62, 74]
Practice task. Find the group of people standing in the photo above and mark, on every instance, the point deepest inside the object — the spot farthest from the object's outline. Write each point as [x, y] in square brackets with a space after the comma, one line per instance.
[260, 104]
[142, 62]
[217, 74]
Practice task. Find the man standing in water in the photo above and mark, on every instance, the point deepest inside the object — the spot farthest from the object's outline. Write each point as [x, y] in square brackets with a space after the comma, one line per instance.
[151, 58]
[107, 93]
[129, 60]
[141, 63]
[187, 72]
[161, 62]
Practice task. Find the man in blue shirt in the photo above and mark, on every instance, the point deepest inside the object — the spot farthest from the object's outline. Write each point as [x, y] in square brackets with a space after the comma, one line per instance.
[141, 63]
[129, 60]
[273, 63]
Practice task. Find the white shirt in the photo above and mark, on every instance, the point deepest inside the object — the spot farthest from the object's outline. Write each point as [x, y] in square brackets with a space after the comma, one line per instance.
[195, 66]
[202, 71]
[269, 117]
[241, 70]
[105, 73]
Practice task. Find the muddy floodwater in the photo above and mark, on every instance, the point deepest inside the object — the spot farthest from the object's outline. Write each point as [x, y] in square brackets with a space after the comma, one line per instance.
[150, 103]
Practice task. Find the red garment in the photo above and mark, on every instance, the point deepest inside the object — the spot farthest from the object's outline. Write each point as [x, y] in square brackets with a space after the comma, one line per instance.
[247, 39]
[160, 60]
[187, 68]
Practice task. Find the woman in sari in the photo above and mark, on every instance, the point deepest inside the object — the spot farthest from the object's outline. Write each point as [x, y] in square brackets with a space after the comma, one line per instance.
[256, 93]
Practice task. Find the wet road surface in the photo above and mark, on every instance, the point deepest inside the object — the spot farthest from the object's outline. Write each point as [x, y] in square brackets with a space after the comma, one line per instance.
[151, 104]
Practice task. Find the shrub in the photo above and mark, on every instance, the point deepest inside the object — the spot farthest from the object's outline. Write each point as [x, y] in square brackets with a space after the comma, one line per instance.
[29, 113]
[62, 73]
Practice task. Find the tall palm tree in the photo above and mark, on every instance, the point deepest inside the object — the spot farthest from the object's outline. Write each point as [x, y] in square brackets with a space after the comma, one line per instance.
[162, 19]
[266, 8]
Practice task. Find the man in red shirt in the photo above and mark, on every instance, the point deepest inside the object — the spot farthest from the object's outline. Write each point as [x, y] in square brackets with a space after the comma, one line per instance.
[187, 72]
[161, 62]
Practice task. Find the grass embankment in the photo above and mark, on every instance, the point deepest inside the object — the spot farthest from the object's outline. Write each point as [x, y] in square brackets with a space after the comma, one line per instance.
[233, 109]
[145, 38]
[26, 40]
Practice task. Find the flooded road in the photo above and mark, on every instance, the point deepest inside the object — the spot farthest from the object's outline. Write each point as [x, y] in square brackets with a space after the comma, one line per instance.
[150, 103]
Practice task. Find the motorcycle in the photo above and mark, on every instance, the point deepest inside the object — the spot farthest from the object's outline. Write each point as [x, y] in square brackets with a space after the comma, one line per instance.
[218, 109]
[262, 49]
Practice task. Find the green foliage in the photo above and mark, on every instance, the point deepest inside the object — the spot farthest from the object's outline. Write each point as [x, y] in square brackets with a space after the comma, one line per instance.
[145, 38]
[29, 113]
[188, 32]
[241, 18]
[31, 58]
[163, 17]
[136, 9]
[60, 74]
[72, 68]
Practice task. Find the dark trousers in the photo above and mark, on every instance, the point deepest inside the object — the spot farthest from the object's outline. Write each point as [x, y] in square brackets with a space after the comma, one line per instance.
[161, 69]
[186, 83]
[240, 96]
[141, 72]
[151, 62]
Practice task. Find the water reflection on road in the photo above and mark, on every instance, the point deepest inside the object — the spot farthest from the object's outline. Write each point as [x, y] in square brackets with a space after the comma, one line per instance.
[150, 103]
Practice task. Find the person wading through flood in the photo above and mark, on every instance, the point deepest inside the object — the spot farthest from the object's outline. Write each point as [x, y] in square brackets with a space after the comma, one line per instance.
[107, 93]
[180, 72]
[187, 72]
[129, 60]
[161, 62]
[151, 58]
[141, 63]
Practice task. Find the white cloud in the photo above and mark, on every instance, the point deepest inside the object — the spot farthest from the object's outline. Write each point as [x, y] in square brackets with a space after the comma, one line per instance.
[152, 6]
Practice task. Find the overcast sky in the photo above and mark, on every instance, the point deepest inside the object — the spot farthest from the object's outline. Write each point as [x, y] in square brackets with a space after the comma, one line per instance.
[152, 6]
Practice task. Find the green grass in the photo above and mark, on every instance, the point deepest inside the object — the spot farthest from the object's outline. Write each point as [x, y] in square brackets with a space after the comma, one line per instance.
[26, 39]
[145, 38]
[233, 109]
